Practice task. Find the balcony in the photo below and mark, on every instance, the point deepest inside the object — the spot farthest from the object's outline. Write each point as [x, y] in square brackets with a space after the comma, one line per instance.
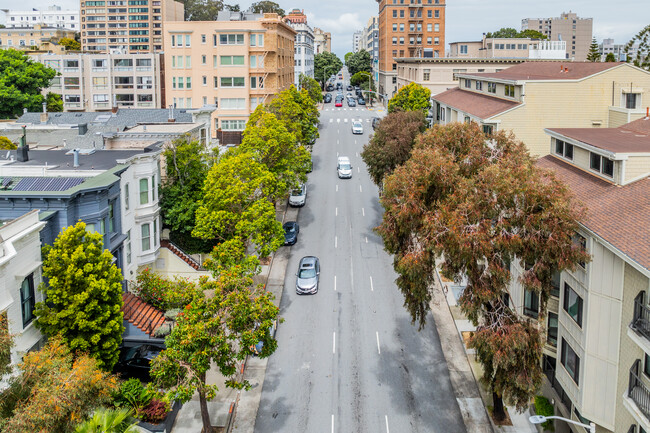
[638, 392]
[641, 319]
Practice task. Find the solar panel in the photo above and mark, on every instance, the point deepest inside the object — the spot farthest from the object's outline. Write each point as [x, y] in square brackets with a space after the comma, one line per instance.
[47, 183]
[6, 181]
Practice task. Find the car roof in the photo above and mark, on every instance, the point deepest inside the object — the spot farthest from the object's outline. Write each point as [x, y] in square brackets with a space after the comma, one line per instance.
[308, 262]
[343, 158]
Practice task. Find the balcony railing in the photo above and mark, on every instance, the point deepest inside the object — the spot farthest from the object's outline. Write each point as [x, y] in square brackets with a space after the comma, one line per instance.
[641, 319]
[637, 391]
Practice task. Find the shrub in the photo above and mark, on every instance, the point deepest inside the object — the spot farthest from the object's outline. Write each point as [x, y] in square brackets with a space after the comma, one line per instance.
[163, 330]
[155, 412]
[6, 144]
[545, 408]
[133, 395]
[165, 294]
[171, 314]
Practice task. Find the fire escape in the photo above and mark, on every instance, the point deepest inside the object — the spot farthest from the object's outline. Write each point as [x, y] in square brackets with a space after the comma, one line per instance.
[415, 23]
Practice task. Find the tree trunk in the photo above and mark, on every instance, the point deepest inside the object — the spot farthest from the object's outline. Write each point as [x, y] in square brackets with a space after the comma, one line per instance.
[205, 415]
[498, 413]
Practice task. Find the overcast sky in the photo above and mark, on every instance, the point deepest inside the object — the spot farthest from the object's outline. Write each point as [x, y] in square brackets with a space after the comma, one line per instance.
[466, 19]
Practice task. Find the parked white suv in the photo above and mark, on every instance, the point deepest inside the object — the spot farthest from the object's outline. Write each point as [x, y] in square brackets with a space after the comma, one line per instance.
[343, 168]
[298, 196]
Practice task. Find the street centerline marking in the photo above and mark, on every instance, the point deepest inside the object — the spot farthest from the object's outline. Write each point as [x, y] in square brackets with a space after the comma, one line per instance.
[387, 431]
[360, 189]
[363, 212]
[335, 283]
[378, 349]
[334, 342]
[336, 241]
[372, 289]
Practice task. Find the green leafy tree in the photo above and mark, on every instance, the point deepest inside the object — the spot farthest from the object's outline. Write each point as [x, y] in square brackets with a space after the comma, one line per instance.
[108, 421]
[54, 103]
[187, 163]
[610, 57]
[504, 32]
[218, 330]
[457, 202]
[266, 6]
[6, 343]
[236, 204]
[70, 44]
[533, 34]
[326, 64]
[392, 142]
[84, 295]
[54, 391]
[642, 58]
[21, 82]
[412, 97]
[365, 82]
[6, 144]
[594, 53]
[347, 56]
[202, 10]
[312, 87]
[358, 62]
[233, 8]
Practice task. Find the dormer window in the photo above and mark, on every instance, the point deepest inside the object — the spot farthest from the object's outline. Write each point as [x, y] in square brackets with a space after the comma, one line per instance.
[468, 83]
[564, 149]
[510, 90]
[601, 164]
[479, 85]
[492, 87]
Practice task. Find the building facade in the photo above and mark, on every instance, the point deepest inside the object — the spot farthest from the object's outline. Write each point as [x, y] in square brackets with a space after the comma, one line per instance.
[126, 26]
[37, 36]
[53, 17]
[531, 96]
[322, 41]
[576, 32]
[356, 41]
[618, 50]
[236, 63]
[304, 45]
[370, 42]
[508, 48]
[102, 81]
[415, 29]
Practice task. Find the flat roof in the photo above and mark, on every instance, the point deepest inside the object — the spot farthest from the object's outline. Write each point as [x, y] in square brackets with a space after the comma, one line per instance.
[64, 159]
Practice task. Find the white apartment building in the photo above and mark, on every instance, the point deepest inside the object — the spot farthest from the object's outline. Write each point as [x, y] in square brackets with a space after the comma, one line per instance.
[101, 81]
[370, 43]
[608, 46]
[356, 41]
[509, 48]
[53, 16]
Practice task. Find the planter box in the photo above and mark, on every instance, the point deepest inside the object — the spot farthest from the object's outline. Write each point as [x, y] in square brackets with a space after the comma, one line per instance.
[166, 425]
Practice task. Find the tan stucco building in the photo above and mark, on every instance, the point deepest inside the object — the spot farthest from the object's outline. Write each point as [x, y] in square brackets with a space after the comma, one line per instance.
[322, 41]
[531, 96]
[493, 48]
[235, 64]
[39, 37]
[577, 32]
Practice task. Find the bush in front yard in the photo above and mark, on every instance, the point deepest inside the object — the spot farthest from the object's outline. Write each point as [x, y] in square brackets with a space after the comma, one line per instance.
[163, 293]
[545, 408]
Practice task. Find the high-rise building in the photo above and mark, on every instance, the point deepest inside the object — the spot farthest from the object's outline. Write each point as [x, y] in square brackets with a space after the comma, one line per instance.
[577, 32]
[408, 30]
[126, 26]
[356, 41]
[370, 43]
[237, 62]
[53, 16]
[608, 46]
[322, 41]
[304, 47]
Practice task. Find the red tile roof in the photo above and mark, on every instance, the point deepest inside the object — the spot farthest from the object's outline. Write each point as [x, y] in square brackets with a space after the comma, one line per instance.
[618, 214]
[476, 104]
[550, 70]
[615, 140]
[146, 317]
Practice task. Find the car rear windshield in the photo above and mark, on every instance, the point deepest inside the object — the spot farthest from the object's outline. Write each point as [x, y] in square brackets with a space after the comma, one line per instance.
[307, 273]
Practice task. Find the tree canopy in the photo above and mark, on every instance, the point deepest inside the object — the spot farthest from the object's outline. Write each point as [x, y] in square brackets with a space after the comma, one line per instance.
[475, 206]
[84, 295]
[6, 144]
[54, 103]
[326, 64]
[70, 44]
[358, 62]
[642, 58]
[510, 33]
[21, 82]
[594, 52]
[202, 10]
[412, 97]
[6, 343]
[266, 6]
[312, 87]
[610, 57]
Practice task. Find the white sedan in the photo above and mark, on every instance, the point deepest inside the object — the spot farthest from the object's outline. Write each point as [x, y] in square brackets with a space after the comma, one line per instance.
[357, 128]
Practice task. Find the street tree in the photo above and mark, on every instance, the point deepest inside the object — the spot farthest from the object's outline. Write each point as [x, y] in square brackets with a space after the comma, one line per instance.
[84, 295]
[187, 163]
[359, 62]
[474, 206]
[21, 82]
[54, 390]
[326, 64]
[202, 10]
[70, 44]
[54, 103]
[236, 204]
[594, 52]
[312, 87]
[392, 142]
[642, 58]
[266, 6]
[412, 97]
[347, 56]
[610, 57]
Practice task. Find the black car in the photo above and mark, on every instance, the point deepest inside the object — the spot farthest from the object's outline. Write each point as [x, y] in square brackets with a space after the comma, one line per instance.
[339, 86]
[361, 101]
[291, 230]
[349, 88]
[351, 102]
[357, 92]
[136, 361]
[327, 98]
[375, 122]
[329, 88]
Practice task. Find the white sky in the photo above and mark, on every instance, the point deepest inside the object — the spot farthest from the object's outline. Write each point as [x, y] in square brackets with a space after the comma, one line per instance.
[466, 19]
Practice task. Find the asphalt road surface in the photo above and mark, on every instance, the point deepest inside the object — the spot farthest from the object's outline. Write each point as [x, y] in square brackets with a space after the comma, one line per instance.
[348, 358]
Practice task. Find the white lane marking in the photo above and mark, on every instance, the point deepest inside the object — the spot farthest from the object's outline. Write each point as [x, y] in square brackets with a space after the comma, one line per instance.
[360, 189]
[378, 349]
[357, 154]
[355, 141]
[358, 169]
[337, 141]
[335, 283]
[345, 120]
[387, 431]
[333, 423]
[336, 241]
[337, 188]
[367, 242]
[337, 211]
[372, 288]
[331, 120]
[334, 342]
[338, 120]
[363, 212]
[351, 273]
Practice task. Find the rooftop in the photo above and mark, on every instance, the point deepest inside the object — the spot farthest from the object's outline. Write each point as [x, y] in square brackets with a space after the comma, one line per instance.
[615, 140]
[63, 159]
[125, 117]
[459, 60]
[553, 70]
[476, 104]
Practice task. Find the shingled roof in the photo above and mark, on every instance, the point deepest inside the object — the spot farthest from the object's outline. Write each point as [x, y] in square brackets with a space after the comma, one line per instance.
[549, 71]
[476, 104]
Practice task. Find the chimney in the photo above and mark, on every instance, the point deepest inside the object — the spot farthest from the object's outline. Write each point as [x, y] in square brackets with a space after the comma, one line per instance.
[24, 110]
[171, 114]
[647, 113]
[83, 128]
[22, 153]
[44, 113]
[114, 107]
[566, 70]
[75, 156]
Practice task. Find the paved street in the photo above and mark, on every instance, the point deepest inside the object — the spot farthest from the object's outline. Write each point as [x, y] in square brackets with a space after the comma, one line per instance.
[349, 359]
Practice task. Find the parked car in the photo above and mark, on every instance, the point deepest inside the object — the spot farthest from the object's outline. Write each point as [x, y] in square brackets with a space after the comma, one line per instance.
[358, 92]
[361, 101]
[375, 122]
[298, 196]
[349, 88]
[327, 98]
[308, 275]
[329, 88]
[136, 361]
[291, 230]
[339, 86]
[352, 102]
[357, 127]
[343, 168]
[338, 103]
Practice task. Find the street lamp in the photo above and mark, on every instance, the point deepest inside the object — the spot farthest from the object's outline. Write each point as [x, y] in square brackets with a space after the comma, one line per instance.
[539, 419]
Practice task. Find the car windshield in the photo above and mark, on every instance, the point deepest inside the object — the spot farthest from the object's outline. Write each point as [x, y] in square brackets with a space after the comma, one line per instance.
[296, 192]
[290, 229]
[357, 125]
[307, 273]
[345, 166]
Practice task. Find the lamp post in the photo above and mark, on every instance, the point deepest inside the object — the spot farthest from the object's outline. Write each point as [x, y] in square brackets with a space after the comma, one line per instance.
[539, 419]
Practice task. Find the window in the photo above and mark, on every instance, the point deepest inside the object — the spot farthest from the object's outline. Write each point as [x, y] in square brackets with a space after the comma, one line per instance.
[233, 104]
[570, 361]
[253, 61]
[111, 217]
[203, 39]
[187, 40]
[429, 28]
[401, 41]
[510, 90]
[551, 329]
[479, 85]
[257, 82]
[153, 188]
[188, 82]
[436, 27]
[437, 13]
[401, 27]
[146, 237]
[531, 304]
[204, 59]
[492, 87]
[233, 82]
[155, 232]
[27, 299]
[601, 164]
[468, 83]
[646, 365]
[572, 304]
[555, 284]
[128, 247]
[394, 40]
[233, 125]
[394, 27]
[394, 13]
[126, 196]
[426, 75]
[205, 80]
[563, 148]
[144, 191]
[488, 129]
[580, 242]
[630, 100]
[231, 39]
[232, 60]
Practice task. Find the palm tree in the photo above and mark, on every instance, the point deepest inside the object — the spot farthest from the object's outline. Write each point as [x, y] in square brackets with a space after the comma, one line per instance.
[107, 421]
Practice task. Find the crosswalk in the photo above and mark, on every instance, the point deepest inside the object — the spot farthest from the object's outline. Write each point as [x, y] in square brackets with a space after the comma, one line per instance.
[345, 120]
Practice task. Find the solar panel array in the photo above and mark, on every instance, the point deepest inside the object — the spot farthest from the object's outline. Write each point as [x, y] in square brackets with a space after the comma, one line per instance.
[47, 183]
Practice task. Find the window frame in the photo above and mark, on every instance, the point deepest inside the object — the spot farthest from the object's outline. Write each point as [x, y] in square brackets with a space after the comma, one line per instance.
[144, 192]
[568, 291]
[564, 360]
[27, 301]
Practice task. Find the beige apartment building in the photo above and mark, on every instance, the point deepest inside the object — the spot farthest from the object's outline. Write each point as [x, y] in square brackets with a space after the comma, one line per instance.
[126, 26]
[101, 81]
[38, 36]
[531, 96]
[322, 41]
[236, 63]
[576, 32]
[597, 349]
[494, 48]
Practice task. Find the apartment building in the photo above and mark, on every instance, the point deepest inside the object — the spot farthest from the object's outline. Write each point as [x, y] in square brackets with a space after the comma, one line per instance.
[37, 36]
[102, 81]
[508, 48]
[408, 28]
[370, 42]
[597, 347]
[608, 46]
[304, 45]
[128, 26]
[322, 41]
[531, 96]
[356, 41]
[576, 32]
[53, 17]
[236, 63]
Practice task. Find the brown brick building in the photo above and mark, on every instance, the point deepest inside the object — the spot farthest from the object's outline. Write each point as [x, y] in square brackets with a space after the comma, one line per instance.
[408, 28]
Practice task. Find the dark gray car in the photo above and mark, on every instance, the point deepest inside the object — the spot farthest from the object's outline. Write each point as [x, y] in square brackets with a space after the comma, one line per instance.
[308, 275]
